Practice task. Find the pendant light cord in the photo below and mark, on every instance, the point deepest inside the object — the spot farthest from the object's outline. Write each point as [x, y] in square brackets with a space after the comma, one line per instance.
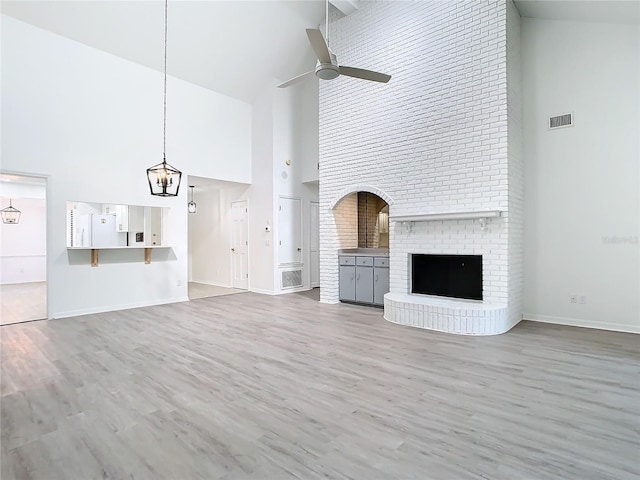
[164, 128]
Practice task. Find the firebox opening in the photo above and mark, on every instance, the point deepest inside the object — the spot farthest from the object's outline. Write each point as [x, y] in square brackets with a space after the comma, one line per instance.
[457, 276]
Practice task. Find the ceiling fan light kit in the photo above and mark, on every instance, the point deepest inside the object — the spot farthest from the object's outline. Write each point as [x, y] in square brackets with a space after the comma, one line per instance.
[325, 71]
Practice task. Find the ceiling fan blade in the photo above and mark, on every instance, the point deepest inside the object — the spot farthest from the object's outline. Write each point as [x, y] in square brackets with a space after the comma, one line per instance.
[365, 74]
[319, 45]
[295, 80]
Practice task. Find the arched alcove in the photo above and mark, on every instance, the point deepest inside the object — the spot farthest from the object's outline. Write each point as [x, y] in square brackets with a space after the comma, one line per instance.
[360, 188]
[362, 218]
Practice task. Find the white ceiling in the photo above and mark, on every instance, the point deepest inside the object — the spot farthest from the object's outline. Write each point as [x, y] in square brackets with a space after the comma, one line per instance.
[607, 11]
[235, 47]
[232, 47]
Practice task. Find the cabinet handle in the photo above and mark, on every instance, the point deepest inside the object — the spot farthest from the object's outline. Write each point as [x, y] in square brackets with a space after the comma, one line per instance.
[376, 277]
[358, 278]
[353, 275]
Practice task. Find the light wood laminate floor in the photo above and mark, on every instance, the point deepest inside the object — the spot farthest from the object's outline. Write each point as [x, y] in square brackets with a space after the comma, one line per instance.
[21, 302]
[277, 387]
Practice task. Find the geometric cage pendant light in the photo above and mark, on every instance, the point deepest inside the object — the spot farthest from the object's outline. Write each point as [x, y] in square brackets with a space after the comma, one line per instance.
[164, 180]
[191, 206]
[10, 215]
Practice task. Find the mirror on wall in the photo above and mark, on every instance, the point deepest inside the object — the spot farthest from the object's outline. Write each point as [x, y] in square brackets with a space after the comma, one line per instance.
[101, 225]
[373, 221]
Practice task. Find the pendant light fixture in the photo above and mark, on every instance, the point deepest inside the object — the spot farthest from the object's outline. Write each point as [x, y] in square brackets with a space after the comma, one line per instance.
[191, 206]
[164, 180]
[10, 215]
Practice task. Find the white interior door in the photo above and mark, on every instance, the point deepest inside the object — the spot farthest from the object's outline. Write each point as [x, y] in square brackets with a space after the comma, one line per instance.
[239, 243]
[290, 231]
[314, 244]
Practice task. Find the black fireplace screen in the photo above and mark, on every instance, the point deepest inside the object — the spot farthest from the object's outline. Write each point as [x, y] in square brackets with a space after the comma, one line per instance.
[458, 276]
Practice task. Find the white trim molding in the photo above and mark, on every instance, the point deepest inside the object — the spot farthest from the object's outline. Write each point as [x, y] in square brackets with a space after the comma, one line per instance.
[430, 217]
[580, 322]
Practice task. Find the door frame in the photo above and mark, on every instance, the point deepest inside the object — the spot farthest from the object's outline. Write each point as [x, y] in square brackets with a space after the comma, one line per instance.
[48, 227]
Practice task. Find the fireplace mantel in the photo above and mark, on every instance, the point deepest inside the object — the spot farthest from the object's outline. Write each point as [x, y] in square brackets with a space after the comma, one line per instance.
[429, 217]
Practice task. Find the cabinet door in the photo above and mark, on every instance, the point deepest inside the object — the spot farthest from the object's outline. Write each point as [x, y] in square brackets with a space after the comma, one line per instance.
[380, 284]
[122, 218]
[364, 284]
[348, 283]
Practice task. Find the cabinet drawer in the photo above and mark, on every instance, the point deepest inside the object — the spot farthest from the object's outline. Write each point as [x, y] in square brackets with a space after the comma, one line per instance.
[381, 261]
[347, 260]
[364, 261]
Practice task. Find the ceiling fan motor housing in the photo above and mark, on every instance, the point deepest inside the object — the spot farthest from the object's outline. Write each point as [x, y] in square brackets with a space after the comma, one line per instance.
[328, 71]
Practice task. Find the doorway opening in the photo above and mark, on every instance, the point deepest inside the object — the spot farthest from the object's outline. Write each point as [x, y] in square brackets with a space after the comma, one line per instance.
[217, 238]
[23, 249]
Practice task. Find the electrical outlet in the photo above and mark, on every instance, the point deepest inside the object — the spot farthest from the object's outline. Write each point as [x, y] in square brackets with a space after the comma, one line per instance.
[582, 299]
[573, 299]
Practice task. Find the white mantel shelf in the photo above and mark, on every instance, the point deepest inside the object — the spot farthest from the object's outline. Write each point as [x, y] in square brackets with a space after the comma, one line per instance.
[429, 217]
[95, 251]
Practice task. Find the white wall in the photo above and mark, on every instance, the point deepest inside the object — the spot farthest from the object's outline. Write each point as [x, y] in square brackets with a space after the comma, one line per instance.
[260, 196]
[306, 129]
[92, 122]
[294, 118]
[515, 167]
[582, 202]
[23, 245]
[278, 136]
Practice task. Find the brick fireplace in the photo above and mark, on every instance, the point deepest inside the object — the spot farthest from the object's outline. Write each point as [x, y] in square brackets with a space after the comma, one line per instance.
[440, 143]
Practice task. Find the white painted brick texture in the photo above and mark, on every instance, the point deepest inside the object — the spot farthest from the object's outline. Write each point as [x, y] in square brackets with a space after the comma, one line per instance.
[435, 139]
[515, 220]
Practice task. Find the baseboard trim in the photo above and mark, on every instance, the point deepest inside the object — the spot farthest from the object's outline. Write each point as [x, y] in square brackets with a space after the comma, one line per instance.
[213, 284]
[262, 292]
[579, 322]
[115, 308]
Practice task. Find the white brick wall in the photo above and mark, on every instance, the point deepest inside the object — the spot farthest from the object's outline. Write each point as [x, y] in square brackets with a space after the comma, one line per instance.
[515, 220]
[435, 139]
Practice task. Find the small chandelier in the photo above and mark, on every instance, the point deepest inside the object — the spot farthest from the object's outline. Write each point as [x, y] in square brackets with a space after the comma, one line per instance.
[191, 206]
[164, 180]
[10, 215]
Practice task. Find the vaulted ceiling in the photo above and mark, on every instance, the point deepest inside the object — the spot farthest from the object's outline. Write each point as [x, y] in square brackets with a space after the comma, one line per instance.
[236, 47]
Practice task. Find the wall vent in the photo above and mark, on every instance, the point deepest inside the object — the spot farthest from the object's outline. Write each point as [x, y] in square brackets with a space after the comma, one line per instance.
[292, 279]
[565, 120]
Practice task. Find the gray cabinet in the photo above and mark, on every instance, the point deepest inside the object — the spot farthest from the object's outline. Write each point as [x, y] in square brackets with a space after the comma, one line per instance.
[380, 279]
[348, 279]
[363, 279]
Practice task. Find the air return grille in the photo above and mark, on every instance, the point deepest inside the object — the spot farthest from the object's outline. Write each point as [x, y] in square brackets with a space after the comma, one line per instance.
[291, 279]
[565, 120]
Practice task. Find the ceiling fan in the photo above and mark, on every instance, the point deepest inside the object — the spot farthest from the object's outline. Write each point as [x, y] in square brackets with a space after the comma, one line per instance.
[327, 67]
